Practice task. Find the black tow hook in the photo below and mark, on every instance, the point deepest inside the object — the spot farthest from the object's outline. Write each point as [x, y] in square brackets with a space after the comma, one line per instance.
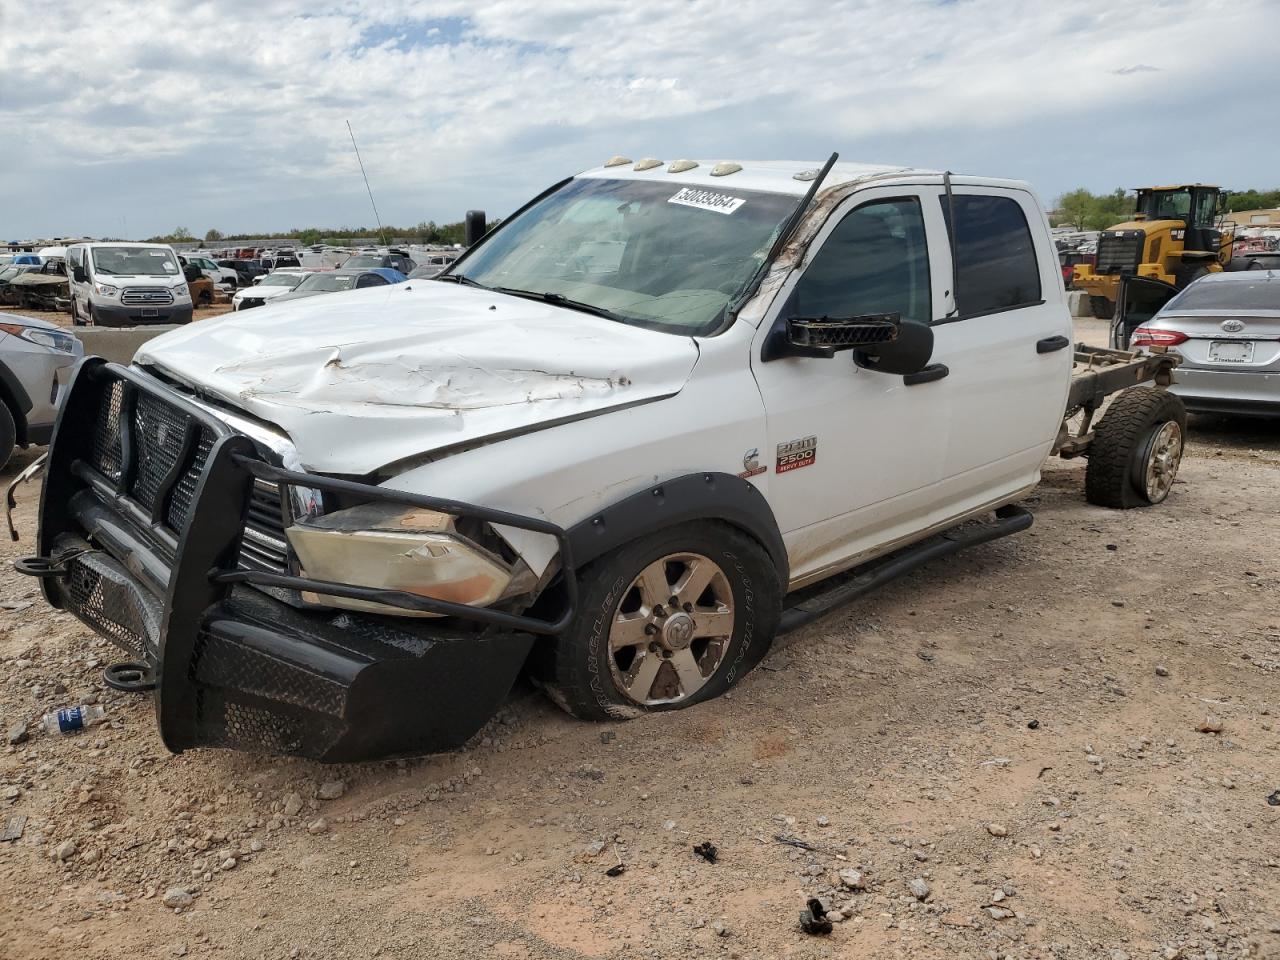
[45, 568]
[130, 676]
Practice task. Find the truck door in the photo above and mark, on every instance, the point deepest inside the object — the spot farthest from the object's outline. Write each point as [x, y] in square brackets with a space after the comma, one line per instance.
[851, 449]
[1006, 339]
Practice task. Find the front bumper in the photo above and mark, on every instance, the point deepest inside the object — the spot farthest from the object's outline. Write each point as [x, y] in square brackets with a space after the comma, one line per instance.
[118, 315]
[146, 501]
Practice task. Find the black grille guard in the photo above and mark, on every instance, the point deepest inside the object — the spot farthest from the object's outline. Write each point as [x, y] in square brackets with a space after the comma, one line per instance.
[186, 557]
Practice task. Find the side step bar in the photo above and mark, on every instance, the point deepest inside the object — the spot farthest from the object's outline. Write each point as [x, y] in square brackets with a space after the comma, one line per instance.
[819, 600]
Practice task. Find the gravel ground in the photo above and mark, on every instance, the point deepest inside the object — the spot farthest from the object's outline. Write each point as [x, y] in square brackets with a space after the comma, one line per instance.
[1001, 755]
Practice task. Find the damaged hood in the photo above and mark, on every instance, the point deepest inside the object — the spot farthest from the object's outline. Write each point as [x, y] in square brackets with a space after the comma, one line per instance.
[361, 379]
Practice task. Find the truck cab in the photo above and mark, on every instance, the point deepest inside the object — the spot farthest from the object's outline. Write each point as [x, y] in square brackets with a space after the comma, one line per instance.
[609, 445]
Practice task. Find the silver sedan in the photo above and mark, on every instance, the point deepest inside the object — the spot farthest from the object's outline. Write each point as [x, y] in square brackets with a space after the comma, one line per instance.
[1226, 326]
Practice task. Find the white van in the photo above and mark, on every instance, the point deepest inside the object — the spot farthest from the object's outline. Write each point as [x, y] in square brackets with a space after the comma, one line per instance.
[126, 284]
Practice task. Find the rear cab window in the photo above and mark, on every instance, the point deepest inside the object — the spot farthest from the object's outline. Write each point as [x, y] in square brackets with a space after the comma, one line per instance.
[996, 265]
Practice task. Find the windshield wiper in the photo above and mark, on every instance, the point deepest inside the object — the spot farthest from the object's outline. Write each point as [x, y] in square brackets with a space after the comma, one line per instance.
[560, 300]
[462, 278]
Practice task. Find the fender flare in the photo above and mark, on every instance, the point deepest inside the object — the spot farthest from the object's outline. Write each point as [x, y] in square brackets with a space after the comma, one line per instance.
[695, 496]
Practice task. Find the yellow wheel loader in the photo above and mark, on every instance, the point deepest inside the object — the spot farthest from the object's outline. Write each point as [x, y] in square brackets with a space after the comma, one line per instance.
[1176, 235]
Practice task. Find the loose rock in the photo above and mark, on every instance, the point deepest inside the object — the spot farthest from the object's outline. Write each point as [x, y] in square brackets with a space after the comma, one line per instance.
[920, 889]
[178, 897]
[317, 826]
[852, 879]
[292, 804]
[1210, 724]
[65, 850]
[997, 829]
[332, 790]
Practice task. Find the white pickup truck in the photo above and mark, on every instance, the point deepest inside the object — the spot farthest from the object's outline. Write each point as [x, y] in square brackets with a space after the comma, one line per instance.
[662, 412]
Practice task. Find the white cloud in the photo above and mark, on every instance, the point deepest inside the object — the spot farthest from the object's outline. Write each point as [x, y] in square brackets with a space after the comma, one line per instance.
[232, 114]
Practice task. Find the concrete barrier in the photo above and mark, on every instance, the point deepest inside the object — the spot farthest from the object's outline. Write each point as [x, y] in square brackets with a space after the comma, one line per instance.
[118, 344]
[1078, 303]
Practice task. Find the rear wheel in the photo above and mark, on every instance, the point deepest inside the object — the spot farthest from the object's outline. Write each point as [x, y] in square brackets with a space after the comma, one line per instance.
[1104, 308]
[666, 621]
[1137, 449]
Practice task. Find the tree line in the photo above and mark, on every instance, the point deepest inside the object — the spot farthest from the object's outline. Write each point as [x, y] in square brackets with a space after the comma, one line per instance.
[1085, 210]
[428, 231]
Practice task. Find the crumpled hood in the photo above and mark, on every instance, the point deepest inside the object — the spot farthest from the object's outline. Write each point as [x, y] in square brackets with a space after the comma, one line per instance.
[363, 378]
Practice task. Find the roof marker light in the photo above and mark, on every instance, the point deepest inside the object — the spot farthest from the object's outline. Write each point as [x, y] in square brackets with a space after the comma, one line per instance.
[724, 169]
[805, 175]
[617, 161]
[680, 166]
[648, 163]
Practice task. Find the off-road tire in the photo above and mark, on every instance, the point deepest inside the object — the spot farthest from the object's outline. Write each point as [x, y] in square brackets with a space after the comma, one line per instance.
[1121, 444]
[1104, 308]
[574, 669]
[8, 435]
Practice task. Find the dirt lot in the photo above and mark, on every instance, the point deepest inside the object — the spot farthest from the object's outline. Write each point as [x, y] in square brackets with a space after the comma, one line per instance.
[1016, 727]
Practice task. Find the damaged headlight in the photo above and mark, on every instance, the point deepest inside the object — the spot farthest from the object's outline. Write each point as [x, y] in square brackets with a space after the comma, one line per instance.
[393, 547]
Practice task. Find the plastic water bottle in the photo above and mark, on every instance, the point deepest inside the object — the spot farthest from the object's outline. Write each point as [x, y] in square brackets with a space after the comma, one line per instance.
[72, 719]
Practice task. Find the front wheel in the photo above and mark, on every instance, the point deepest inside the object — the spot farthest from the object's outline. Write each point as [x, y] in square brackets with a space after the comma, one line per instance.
[666, 621]
[1137, 449]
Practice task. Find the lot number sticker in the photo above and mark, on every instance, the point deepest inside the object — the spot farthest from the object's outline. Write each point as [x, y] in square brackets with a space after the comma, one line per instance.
[707, 200]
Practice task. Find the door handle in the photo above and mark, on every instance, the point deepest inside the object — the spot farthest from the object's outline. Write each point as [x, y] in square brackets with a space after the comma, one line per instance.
[1050, 344]
[934, 371]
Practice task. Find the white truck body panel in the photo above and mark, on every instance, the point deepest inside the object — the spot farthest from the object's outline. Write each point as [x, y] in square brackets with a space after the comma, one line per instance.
[532, 408]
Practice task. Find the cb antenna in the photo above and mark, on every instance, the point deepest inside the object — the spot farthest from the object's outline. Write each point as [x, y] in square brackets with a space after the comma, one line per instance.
[376, 218]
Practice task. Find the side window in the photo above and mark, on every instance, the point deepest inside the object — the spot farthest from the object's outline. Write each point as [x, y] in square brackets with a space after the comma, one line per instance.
[995, 257]
[875, 261]
[370, 280]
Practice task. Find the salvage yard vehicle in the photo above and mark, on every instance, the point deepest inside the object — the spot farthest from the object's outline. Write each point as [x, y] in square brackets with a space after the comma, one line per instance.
[36, 359]
[336, 281]
[658, 415]
[116, 284]
[1226, 329]
[40, 288]
[267, 288]
[1176, 235]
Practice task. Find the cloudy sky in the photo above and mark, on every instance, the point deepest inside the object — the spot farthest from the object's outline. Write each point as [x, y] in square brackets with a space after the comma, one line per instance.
[136, 118]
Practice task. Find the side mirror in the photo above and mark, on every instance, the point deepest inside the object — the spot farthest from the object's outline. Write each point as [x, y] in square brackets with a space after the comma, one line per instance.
[908, 353]
[824, 337]
[78, 274]
[882, 341]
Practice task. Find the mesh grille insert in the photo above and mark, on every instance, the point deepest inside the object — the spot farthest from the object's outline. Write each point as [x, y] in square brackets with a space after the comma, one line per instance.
[107, 599]
[106, 433]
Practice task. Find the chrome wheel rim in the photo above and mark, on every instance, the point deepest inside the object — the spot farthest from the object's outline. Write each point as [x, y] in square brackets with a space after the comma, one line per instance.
[1163, 460]
[671, 629]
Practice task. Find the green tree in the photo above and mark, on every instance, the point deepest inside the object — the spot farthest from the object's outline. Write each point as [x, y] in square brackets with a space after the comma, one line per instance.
[1074, 207]
[180, 234]
[212, 236]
